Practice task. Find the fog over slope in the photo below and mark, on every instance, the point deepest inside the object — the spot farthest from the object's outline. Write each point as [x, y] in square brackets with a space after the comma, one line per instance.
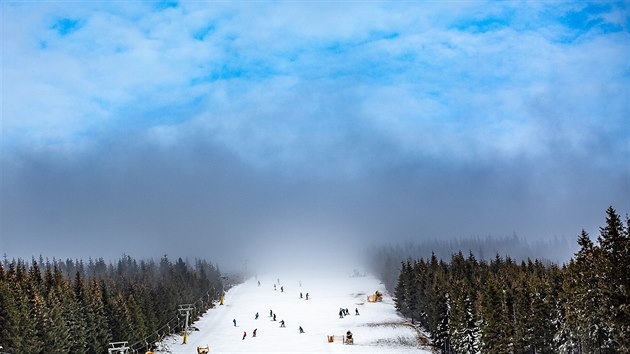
[232, 131]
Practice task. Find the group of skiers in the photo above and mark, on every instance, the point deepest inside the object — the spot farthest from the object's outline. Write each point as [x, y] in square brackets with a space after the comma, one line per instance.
[345, 312]
[253, 333]
[272, 315]
[342, 313]
[281, 288]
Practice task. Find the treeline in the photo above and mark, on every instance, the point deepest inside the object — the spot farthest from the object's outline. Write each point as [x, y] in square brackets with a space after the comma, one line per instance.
[385, 261]
[73, 307]
[501, 306]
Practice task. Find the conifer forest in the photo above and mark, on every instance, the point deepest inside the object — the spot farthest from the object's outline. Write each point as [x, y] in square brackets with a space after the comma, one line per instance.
[73, 307]
[466, 304]
[503, 306]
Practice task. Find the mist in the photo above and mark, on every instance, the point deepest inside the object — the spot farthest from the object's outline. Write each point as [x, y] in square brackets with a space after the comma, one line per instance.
[292, 133]
[196, 199]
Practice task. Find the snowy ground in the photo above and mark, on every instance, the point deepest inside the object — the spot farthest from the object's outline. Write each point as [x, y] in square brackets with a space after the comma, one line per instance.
[378, 329]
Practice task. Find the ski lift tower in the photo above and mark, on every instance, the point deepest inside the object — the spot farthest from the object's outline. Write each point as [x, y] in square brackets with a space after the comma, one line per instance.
[185, 309]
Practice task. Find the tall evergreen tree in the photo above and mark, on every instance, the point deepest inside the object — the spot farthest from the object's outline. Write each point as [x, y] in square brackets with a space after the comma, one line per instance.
[613, 272]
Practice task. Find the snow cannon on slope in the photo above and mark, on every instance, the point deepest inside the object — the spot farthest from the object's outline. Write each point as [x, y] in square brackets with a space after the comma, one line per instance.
[378, 296]
[348, 339]
[203, 350]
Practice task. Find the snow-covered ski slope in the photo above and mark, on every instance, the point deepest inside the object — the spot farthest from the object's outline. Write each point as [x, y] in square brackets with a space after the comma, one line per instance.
[377, 328]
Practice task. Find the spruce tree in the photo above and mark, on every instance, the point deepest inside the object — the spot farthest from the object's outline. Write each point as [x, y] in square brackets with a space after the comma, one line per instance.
[98, 331]
[400, 292]
[612, 268]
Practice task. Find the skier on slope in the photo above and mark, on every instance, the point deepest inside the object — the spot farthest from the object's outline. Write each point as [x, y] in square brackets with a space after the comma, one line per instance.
[301, 330]
[256, 316]
[306, 296]
[274, 316]
[244, 335]
[282, 323]
[255, 330]
[234, 321]
[356, 311]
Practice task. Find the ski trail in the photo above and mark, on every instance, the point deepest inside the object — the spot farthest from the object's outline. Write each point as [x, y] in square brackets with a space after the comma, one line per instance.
[319, 317]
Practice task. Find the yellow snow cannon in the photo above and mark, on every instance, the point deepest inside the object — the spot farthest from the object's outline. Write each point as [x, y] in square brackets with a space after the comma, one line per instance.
[378, 296]
[203, 350]
[348, 339]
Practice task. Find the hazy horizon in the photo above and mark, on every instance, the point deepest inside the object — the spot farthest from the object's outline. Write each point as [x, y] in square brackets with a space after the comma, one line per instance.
[289, 130]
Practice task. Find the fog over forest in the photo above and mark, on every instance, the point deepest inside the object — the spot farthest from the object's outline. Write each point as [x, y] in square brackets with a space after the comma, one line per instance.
[150, 129]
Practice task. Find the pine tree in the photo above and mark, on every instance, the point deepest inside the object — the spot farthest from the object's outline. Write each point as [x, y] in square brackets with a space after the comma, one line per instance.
[495, 335]
[98, 330]
[420, 274]
[400, 292]
[75, 313]
[57, 337]
[523, 319]
[9, 312]
[458, 313]
[613, 268]
[411, 292]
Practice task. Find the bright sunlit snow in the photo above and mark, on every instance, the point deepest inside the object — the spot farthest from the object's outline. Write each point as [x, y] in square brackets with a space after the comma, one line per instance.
[377, 328]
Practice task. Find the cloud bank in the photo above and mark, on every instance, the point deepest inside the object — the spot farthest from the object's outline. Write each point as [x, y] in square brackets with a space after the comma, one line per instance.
[200, 127]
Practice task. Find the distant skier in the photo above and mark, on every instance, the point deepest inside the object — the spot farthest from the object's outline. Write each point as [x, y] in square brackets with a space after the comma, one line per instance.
[341, 313]
[300, 283]
[256, 316]
[274, 287]
[270, 313]
[244, 335]
[301, 296]
[282, 323]
[306, 296]
[234, 321]
[255, 330]
[347, 312]
[259, 283]
[301, 329]
[274, 316]
[282, 289]
[356, 311]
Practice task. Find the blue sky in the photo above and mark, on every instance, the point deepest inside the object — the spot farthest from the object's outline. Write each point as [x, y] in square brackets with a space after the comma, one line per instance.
[536, 92]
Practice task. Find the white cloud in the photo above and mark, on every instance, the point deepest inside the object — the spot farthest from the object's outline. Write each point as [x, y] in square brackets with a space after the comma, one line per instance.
[261, 75]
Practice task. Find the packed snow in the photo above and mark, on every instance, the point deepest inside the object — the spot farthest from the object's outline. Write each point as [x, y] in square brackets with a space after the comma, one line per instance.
[377, 328]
